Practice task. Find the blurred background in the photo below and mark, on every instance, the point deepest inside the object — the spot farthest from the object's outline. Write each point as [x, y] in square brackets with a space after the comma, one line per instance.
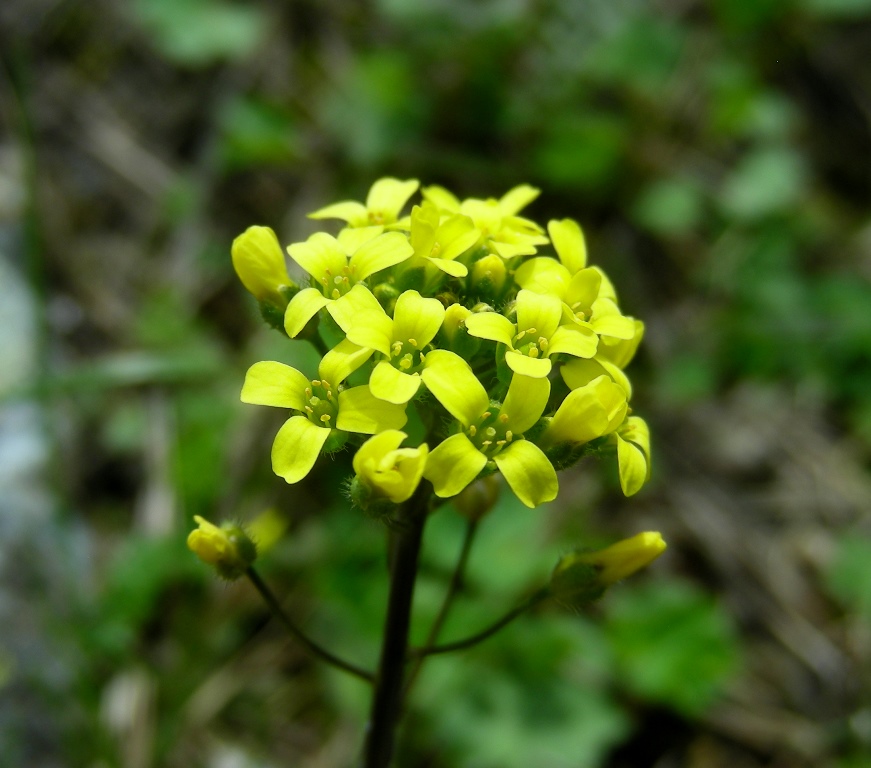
[718, 155]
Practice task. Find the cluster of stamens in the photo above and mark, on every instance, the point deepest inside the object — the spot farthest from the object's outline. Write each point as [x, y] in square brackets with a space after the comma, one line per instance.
[322, 406]
[490, 435]
[535, 348]
[405, 355]
[336, 286]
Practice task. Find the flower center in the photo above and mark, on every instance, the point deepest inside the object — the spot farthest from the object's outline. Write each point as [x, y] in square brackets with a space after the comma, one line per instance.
[406, 355]
[490, 434]
[336, 286]
[527, 344]
[321, 403]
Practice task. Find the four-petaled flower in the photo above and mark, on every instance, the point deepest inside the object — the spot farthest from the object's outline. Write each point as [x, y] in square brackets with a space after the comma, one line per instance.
[489, 432]
[323, 408]
[537, 334]
[336, 266]
[385, 200]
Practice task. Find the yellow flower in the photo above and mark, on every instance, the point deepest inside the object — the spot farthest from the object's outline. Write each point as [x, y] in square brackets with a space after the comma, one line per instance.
[387, 470]
[439, 242]
[489, 432]
[385, 200]
[259, 263]
[336, 266]
[502, 231]
[400, 341]
[591, 411]
[227, 548]
[535, 336]
[612, 356]
[325, 412]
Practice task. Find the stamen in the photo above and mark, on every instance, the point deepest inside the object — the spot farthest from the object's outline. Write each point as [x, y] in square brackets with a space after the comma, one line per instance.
[316, 382]
[486, 443]
[309, 409]
[473, 430]
[396, 348]
[503, 417]
[406, 362]
[509, 436]
[308, 392]
[533, 351]
[485, 415]
[543, 343]
[413, 342]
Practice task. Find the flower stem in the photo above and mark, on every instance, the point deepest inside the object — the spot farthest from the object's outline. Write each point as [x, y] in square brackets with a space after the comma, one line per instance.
[468, 642]
[406, 541]
[291, 627]
[453, 588]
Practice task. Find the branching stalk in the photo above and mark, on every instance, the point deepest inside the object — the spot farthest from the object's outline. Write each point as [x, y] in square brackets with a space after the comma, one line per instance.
[291, 627]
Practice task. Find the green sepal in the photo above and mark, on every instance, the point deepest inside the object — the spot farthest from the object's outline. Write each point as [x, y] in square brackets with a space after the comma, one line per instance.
[576, 586]
[273, 315]
[361, 497]
[335, 441]
[412, 279]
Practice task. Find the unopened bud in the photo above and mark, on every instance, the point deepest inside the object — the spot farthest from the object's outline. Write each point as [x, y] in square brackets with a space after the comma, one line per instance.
[259, 263]
[228, 548]
[488, 277]
[582, 577]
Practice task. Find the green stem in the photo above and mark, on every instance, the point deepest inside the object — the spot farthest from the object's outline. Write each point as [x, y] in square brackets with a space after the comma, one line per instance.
[291, 627]
[454, 587]
[406, 541]
[468, 642]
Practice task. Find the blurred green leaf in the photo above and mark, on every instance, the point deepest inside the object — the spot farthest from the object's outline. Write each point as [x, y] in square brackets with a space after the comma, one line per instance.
[201, 32]
[254, 132]
[764, 182]
[837, 7]
[848, 576]
[377, 108]
[672, 643]
[581, 151]
[520, 701]
[670, 207]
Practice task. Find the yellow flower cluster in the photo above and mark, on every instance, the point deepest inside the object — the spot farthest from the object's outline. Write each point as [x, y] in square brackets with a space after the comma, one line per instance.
[458, 320]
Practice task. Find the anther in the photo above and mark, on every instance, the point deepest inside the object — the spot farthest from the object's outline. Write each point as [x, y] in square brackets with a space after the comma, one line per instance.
[309, 409]
[413, 342]
[473, 430]
[509, 436]
[503, 417]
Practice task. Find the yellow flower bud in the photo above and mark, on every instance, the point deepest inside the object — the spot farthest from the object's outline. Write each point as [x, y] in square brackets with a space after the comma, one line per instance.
[227, 548]
[583, 576]
[488, 276]
[259, 263]
[388, 471]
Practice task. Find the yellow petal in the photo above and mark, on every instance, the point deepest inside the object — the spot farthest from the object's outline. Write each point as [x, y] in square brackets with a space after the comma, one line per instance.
[360, 411]
[394, 386]
[455, 386]
[540, 311]
[528, 472]
[544, 275]
[348, 309]
[536, 367]
[302, 308]
[321, 256]
[349, 210]
[341, 361]
[632, 466]
[568, 240]
[441, 198]
[382, 252]
[591, 411]
[388, 195]
[516, 199]
[277, 384]
[452, 268]
[417, 318]
[453, 464]
[575, 340]
[296, 448]
[607, 320]
[525, 402]
[491, 325]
